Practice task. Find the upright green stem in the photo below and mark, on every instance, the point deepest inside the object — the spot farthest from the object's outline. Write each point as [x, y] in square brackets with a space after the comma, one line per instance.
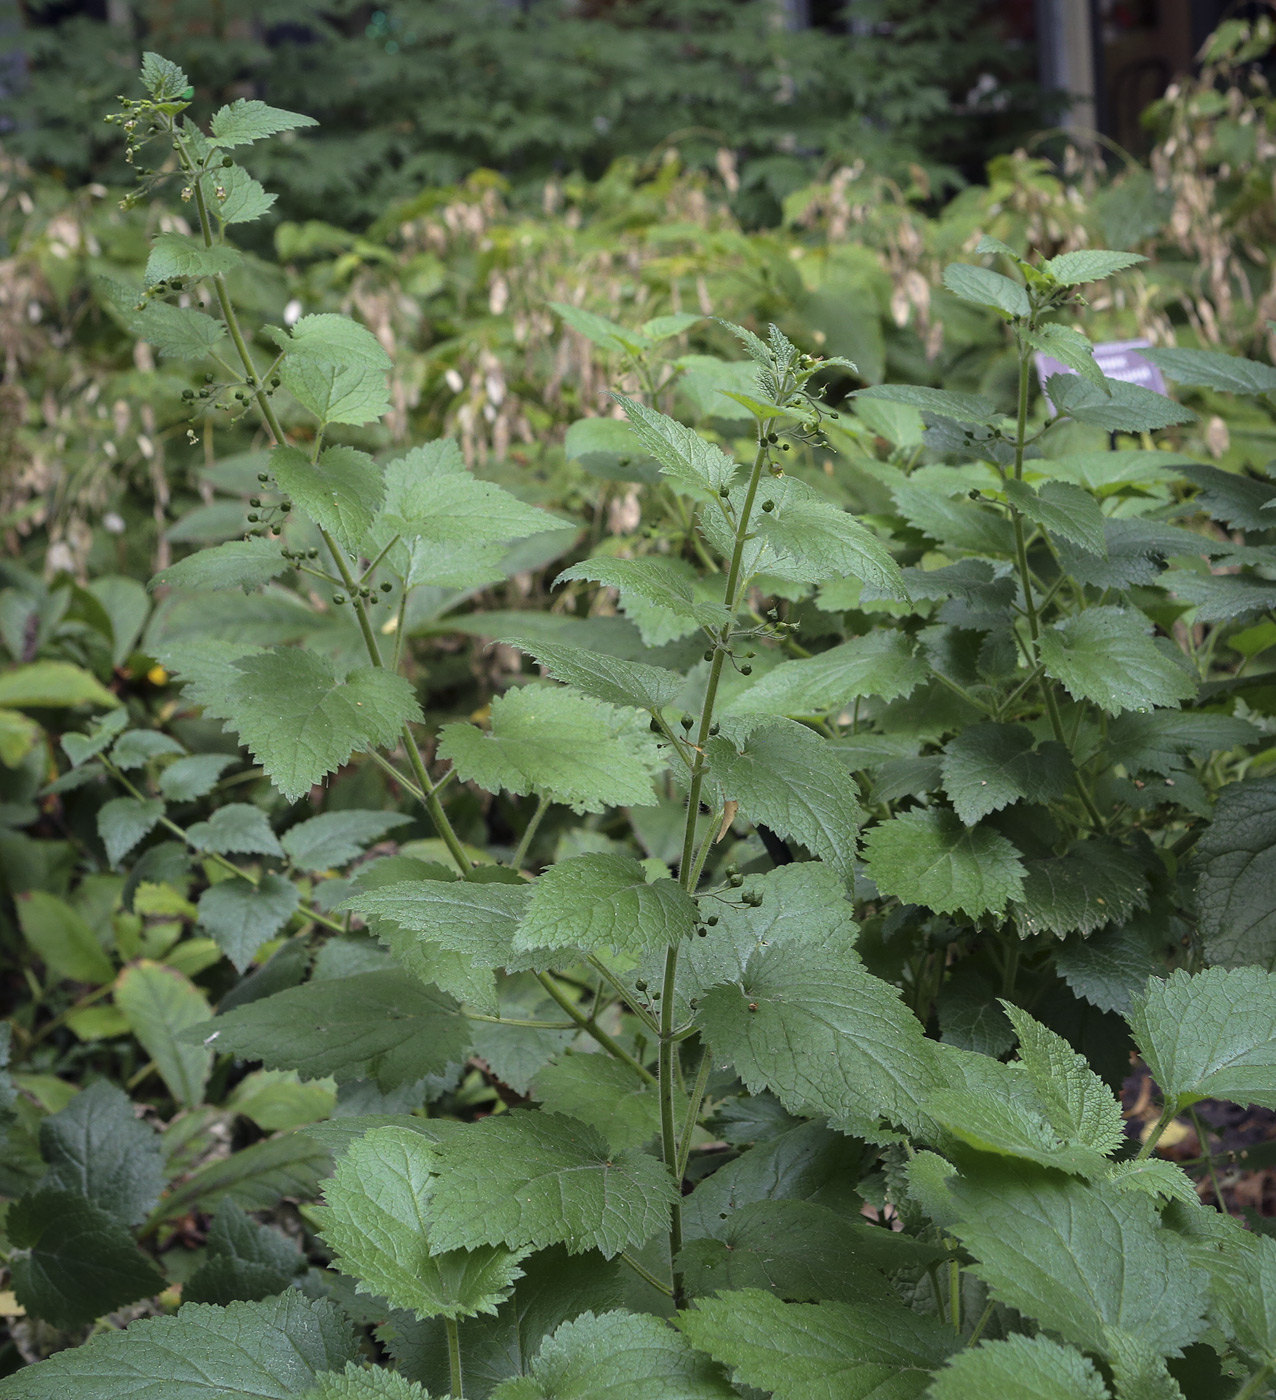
[454, 1357]
[1163, 1122]
[529, 831]
[1256, 1384]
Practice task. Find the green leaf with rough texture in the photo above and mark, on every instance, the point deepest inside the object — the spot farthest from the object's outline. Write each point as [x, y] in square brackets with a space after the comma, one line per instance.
[336, 391]
[302, 720]
[616, 1356]
[1088, 265]
[605, 901]
[244, 121]
[1028, 1368]
[785, 776]
[188, 778]
[981, 286]
[965, 408]
[598, 329]
[341, 492]
[559, 744]
[1093, 883]
[1086, 1260]
[1245, 1296]
[243, 1261]
[381, 1219]
[254, 1178]
[808, 1022]
[796, 1250]
[238, 827]
[820, 1351]
[79, 748]
[883, 664]
[1211, 1036]
[605, 1094]
[245, 564]
[1223, 597]
[177, 332]
[241, 916]
[51, 685]
[1008, 1127]
[163, 79]
[990, 766]
[360, 1382]
[1061, 508]
[1106, 655]
[334, 838]
[1115, 406]
[1109, 968]
[159, 1005]
[137, 747]
[685, 457]
[373, 1025]
[655, 581]
[1235, 498]
[535, 1179]
[1212, 369]
[1160, 740]
[253, 1351]
[1235, 861]
[61, 938]
[179, 255]
[1070, 347]
[72, 1261]
[232, 194]
[97, 1148]
[124, 821]
[474, 920]
[607, 678]
[928, 857]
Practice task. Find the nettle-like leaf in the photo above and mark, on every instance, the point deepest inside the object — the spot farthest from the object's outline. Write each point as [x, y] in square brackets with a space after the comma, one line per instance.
[613, 1355]
[1069, 347]
[124, 821]
[694, 465]
[244, 1260]
[1061, 508]
[528, 1180]
[335, 368]
[1106, 655]
[1093, 883]
[381, 1219]
[1029, 1368]
[234, 196]
[246, 564]
[964, 408]
[810, 1351]
[784, 776]
[340, 492]
[605, 901]
[1235, 862]
[302, 720]
[334, 838]
[238, 827]
[608, 678]
[981, 286]
[654, 581]
[1115, 405]
[178, 255]
[929, 857]
[1212, 369]
[1212, 1035]
[808, 1022]
[241, 915]
[883, 664]
[260, 1351]
[989, 766]
[560, 744]
[360, 1382]
[1088, 265]
[246, 120]
[604, 1093]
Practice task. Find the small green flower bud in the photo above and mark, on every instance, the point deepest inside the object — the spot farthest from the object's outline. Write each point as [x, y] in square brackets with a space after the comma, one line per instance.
[227, 162]
[387, 587]
[338, 598]
[735, 881]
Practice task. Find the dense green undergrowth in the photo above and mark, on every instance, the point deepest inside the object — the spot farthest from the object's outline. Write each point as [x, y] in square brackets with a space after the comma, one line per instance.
[714, 982]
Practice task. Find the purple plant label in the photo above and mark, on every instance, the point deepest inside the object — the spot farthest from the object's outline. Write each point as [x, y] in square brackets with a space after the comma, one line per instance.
[1118, 359]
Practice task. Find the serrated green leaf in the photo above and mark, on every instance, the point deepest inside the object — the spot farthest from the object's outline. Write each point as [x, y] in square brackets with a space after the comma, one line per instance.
[341, 492]
[302, 721]
[1071, 348]
[1088, 265]
[1224, 597]
[1212, 369]
[188, 778]
[360, 1382]
[685, 457]
[1095, 882]
[1111, 967]
[246, 120]
[990, 766]
[74, 1261]
[662, 327]
[1245, 1296]
[255, 1351]
[608, 678]
[928, 857]
[97, 1149]
[177, 332]
[1106, 655]
[1061, 509]
[381, 1219]
[1236, 499]
[276, 1098]
[1235, 861]
[124, 821]
[61, 938]
[1086, 1260]
[982, 287]
[784, 776]
[1029, 1368]
[616, 1356]
[234, 196]
[335, 392]
[1210, 1036]
[883, 663]
[178, 255]
[808, 1022]
[50, 685]
[655, 581]
[336, 837]
[373, 1025]
[817, 1351]
[598, 329]
[245, 564]
[244, 1261]
[955, 522]
[162, 78]
[1115, 405]
[238, 827]
[160, 1004]
[605, 1094]
[255, 1178]
[535, 1179]
[560, 744]
[605, 901]
[965, 408]
[241, 916]
[1159, 741]
[137, 747]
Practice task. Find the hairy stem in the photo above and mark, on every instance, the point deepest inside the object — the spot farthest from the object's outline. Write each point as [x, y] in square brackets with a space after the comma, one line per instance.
[609, 1043]
[454, 1357]
[1163, 1122]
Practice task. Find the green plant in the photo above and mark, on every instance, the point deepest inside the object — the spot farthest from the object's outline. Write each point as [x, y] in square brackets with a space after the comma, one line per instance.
[749, 1122]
